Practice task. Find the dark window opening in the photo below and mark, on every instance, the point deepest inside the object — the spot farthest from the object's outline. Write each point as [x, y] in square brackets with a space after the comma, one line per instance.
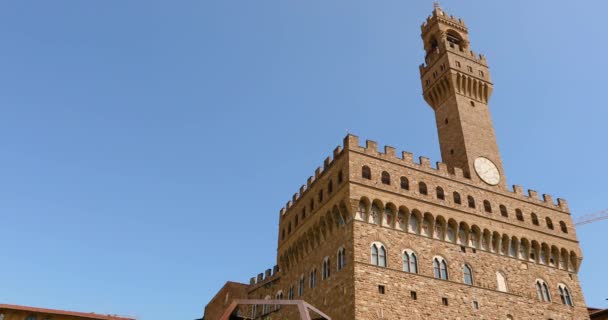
[366, 173]
[381, 289]
[444, 301]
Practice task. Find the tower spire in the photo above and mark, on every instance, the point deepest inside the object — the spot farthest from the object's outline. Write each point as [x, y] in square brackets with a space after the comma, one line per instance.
[436, 5]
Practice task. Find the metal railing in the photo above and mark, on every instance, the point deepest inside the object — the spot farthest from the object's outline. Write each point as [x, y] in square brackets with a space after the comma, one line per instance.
[303, 307]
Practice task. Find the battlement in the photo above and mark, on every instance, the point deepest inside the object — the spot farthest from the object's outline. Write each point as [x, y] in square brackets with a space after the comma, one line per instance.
[311, 180]
[351, 142]
[265, 277]
[444, 47]
[440, 15]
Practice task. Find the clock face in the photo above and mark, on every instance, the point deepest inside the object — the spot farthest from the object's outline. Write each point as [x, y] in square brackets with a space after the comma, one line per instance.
[487, 171]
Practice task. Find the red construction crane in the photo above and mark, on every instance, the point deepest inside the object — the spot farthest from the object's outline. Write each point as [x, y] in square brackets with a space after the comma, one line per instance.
[590, 218]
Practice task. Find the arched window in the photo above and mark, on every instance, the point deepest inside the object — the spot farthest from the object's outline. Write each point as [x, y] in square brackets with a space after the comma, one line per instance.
[440, 194]
[410, 261]
[320, 196]
[564, 295]
[468, 274]
[440, 268]
[330, 187]
[487, 206]
[563, 226]
[266, 307]
[326, 271]
[378, 255]
[471, 201]
[534, 219]
[366, 173]
[501, 282]
[312, 278]
[386, 178]
[422, 188]
[405, 183]
[375, 216]
[519, 215]
[340, 177]
[503, 211]
[303, 213]
[290, 294]
[300, 286]
[457, 199]
[289, 228]
[297, 220]
[361, 212]
[549, 223]
[542, 291]
[341, 258]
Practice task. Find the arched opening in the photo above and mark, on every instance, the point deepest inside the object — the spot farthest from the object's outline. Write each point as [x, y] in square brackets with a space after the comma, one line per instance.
[366, 173]
[440, 194]
[405, 183]
[422, 188]
[549, 223]
[386, 178]
[457, 199]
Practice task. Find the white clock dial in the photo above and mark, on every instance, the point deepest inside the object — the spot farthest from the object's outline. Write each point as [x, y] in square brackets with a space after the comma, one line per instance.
[487, 171]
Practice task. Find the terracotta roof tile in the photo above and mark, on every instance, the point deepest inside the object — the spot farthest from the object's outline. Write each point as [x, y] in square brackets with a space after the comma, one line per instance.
[63, 312]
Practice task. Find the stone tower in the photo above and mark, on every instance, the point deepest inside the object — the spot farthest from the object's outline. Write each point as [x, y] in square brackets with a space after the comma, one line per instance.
[375, 234]
[456, 84]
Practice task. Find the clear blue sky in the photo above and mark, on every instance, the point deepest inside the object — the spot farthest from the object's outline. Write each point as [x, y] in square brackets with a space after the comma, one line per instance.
[147, 146]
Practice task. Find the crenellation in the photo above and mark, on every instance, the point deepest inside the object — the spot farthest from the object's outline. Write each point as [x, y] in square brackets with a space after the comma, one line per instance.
[371, 147]
[518, 190]
[282, 211]
[288, 205]
[252, 281]
[458, 173]
[260, 278]
[548, 199]
[267, 274]
[326, 163]
[442, 168]
[407, 157]
[295, 197]
[351, 142]
[563, 204]
[425, 163]
[309, 182]
[390, 152]
[337, 152]
[318, 173]
[533, 195]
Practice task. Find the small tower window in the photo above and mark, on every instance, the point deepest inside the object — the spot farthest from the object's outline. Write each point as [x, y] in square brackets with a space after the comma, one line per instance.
[440, 194]
[481, 73]
[487, 206]
[549, 223]
[519, 215]
[386, 178]
[534, 219]
[457, 199]
[405, 183]
[472, 104]
[470, 68]
[458, 64]
[422, 188]
[503, 211]
[471, 202]
[563, 226]
[366, 173]
[330, 187]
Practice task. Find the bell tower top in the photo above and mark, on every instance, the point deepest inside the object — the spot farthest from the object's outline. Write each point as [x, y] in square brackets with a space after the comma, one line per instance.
[456, 84]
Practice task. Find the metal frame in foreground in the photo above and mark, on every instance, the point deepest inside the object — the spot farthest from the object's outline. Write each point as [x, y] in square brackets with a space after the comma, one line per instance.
[303, 306]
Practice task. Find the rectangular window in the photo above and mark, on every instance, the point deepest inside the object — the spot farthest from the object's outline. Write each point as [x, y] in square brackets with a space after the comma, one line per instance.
[470, 68]
[444, 301]
[475, 305]
[481, 73]
[463, 249]
[413, 295]
[381, 289]
[458, 64]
